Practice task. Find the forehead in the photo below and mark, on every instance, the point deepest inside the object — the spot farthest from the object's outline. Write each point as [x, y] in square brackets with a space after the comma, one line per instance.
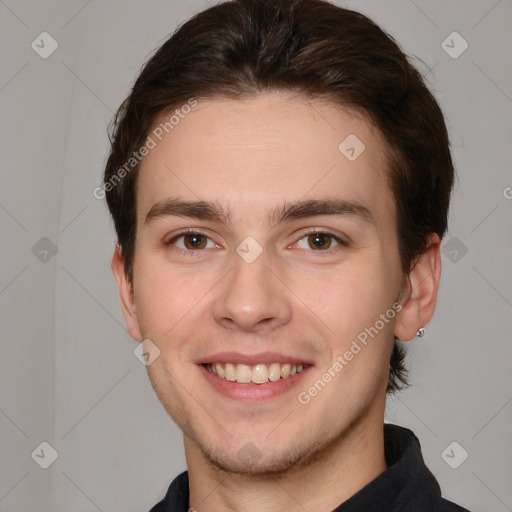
[253, 154]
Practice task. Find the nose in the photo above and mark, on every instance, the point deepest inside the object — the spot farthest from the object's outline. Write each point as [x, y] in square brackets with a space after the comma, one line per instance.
[252, 297]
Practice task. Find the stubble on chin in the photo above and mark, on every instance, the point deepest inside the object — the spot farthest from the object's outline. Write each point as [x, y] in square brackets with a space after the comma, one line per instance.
[255, 464]
[251, 460]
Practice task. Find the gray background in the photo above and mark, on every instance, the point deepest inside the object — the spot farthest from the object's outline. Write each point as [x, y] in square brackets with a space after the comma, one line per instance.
[68, 375]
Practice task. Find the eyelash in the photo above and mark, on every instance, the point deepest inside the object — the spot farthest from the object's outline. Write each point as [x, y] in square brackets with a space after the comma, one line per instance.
[189, 231]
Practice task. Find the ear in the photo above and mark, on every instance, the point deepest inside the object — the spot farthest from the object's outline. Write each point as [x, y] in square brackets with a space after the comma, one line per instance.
[419, 293]
[125, 288]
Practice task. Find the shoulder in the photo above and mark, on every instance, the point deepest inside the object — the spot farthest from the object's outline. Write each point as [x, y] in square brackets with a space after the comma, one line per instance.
[176, 499]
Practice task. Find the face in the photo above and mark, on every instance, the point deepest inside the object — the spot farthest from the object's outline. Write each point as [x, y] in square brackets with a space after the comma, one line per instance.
[263, 248]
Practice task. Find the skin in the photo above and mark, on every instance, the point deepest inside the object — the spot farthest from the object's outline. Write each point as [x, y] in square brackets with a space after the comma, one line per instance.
[251, 155]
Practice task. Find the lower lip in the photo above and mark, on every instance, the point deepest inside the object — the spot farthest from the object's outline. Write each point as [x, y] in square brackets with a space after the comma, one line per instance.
[252, 393]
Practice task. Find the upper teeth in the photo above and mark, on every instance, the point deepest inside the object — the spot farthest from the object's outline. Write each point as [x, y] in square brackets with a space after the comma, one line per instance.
[259, 373]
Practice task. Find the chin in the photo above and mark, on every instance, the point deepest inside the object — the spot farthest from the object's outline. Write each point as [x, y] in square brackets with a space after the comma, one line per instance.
[243, 457]
[250, 461]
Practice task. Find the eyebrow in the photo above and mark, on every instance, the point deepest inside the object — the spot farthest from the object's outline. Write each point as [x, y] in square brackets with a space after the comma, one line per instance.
[211, 210]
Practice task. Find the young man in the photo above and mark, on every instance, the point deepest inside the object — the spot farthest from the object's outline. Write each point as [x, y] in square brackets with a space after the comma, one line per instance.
[279, 181]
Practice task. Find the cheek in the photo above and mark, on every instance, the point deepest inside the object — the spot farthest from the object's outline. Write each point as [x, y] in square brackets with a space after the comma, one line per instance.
[171, 301]
[161, 297]
[348, 299]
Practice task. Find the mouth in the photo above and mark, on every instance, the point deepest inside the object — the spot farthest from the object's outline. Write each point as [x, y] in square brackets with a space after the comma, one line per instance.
[260, 373]
[255, 378]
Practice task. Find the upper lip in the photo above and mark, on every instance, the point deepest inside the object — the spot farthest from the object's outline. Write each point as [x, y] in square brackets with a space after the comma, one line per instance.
[251, 359]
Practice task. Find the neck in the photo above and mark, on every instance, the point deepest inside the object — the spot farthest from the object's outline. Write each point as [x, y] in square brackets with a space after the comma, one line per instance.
[351, 461]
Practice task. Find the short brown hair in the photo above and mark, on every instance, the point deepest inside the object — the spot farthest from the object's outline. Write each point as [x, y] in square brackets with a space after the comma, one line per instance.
[241, 48]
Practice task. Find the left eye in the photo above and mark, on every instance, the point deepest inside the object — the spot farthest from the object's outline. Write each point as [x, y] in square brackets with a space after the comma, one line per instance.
[318, 241]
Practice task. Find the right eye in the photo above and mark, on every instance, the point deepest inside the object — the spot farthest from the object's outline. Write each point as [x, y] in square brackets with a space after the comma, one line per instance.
[191, 241]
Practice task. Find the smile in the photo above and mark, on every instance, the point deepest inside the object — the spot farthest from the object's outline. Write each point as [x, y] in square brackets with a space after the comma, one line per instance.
[256, 374]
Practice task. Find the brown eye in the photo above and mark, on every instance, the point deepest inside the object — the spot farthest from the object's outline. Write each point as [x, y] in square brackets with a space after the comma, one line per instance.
[191, 242]
[194, 241]
[318, 241]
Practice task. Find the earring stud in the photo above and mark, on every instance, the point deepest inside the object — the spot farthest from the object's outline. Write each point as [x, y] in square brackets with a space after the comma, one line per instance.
[420, 333]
